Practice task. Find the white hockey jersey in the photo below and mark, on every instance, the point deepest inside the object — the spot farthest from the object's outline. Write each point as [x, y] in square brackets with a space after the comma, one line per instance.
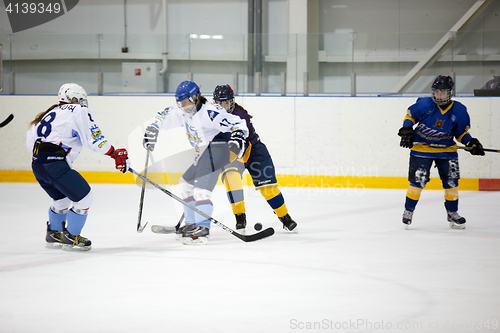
[71, 126]
[202, 126]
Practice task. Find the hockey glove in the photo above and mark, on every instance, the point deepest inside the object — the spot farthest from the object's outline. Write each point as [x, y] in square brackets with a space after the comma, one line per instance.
[122, 162]
[406, 134]
[237, 144]
[477, 147]
[150, 138]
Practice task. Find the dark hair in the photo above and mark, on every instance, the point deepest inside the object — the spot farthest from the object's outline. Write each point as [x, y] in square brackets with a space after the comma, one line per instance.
[40, 116]
[200, 100]
[236, 105]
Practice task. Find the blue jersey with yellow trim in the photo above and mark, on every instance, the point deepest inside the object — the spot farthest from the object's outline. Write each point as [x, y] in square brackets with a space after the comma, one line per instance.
[437, 126]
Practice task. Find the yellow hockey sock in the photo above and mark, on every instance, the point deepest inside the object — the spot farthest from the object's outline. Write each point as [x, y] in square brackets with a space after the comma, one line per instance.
[275, 199]
[234, 191]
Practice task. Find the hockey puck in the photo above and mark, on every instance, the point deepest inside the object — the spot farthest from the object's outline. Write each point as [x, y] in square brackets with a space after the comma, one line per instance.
[257, 226]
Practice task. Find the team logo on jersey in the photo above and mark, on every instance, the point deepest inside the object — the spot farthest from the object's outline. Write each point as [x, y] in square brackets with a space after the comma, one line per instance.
[96, 134]
[192, 135]
[212, 114]
[439, 123]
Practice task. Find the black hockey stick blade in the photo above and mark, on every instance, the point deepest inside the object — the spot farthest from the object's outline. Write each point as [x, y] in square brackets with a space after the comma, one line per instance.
[255, 237]
[6, 121]
[250, 238]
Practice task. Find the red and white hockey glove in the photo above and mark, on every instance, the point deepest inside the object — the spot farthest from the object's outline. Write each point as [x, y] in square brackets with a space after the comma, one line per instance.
[122, 162]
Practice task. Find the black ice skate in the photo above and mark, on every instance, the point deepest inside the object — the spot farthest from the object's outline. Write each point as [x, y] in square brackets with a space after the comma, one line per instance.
[288, 223]
[241, 222]
[407, 216]
[53, 238]
[198, 236]
[74, 242]
[456, 221]
[185, 228]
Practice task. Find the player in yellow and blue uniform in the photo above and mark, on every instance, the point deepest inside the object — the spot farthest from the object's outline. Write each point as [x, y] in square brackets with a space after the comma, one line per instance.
[439, 121]
[257, 160]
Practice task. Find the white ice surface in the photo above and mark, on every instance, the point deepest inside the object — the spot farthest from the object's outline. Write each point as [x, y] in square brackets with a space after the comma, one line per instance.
[351, 268]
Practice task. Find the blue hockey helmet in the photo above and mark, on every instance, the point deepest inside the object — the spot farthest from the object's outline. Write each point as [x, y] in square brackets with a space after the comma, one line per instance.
[224, 96]
[186, 90]
[443, 83]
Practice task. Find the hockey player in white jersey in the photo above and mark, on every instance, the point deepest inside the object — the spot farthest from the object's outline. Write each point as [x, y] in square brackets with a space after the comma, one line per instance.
[217, 137]
[56, 138]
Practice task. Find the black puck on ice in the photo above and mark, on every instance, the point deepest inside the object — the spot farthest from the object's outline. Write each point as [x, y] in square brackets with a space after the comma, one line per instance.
[257, 226]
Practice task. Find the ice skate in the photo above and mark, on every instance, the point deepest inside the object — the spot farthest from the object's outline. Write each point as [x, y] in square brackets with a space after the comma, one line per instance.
[288, 223]
[241, 223]
[185, 228]
[74, 242]
[198, 236]
[456, 221]
[407, 217]
[53, 238]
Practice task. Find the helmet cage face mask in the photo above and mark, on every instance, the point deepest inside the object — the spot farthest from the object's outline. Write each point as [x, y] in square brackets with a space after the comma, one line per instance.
[187, 90]
[442, 101]
[443, 84]
[224, 96]
[226, 105]
[68, 91]
[189, 109]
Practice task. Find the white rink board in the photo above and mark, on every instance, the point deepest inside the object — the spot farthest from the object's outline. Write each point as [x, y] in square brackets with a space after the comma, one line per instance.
[332, 136]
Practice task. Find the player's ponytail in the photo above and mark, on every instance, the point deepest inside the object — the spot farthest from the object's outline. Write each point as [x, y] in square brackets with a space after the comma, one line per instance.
[236, 105]
[200, 100]
[40, 116]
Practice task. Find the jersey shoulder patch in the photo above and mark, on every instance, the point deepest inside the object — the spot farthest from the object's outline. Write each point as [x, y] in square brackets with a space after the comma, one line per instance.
[212, 114]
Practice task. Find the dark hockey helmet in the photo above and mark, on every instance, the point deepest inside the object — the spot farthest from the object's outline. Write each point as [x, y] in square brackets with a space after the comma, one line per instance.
[224, 96]
[443, 83]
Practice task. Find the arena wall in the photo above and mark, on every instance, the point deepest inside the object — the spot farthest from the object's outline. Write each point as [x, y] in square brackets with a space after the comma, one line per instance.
[314, 141]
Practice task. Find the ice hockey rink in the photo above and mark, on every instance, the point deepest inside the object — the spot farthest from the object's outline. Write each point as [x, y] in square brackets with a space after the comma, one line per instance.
[351, 268]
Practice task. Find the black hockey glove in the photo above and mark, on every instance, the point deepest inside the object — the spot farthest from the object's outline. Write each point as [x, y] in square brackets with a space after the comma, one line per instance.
[150, 138]
[477, 147]
[406, 134]
[237, 143]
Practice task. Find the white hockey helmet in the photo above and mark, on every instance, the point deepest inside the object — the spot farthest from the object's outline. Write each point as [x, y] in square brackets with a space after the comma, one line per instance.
[68, 91]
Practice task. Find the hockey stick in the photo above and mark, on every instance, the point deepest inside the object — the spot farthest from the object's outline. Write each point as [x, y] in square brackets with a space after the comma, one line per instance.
[141, 201]
[6, 121]
[161, 229]
[250, 238]
[436, 145]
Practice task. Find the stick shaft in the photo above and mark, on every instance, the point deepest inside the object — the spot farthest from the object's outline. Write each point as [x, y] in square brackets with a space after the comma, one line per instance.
[143, 190]
[435, 145]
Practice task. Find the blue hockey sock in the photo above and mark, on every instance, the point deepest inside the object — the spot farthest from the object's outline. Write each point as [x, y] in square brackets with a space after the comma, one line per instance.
[188, 212]
[410, 204]
[451, 206]
[75, 222]
[206, 207]
[55, 220]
